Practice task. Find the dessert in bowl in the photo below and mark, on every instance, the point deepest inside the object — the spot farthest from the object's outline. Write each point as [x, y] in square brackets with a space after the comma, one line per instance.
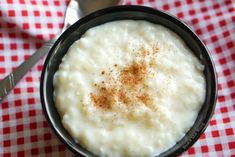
[128, 81]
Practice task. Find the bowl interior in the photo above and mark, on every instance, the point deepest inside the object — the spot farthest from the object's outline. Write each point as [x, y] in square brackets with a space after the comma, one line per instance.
[121, 13]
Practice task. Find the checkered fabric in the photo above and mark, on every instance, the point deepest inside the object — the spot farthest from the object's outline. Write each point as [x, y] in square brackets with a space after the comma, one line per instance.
[26, 24]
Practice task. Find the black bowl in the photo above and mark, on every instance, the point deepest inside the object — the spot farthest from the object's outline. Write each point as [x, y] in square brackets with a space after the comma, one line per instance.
[74, 32]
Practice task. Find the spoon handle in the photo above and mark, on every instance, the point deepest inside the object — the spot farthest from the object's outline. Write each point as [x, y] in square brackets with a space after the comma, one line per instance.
[9, 82]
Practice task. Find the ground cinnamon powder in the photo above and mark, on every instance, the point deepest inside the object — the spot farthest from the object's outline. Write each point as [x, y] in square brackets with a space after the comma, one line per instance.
[129, 87]
[133, 74]
[105, 97]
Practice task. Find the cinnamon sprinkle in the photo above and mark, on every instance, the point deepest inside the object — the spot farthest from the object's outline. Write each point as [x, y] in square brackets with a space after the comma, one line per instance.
[134, 74]
[129, 87]
[105, 97]
[145, 98]
[122, 97]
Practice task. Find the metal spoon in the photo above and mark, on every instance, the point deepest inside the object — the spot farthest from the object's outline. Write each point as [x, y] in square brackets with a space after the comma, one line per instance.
[75, 10]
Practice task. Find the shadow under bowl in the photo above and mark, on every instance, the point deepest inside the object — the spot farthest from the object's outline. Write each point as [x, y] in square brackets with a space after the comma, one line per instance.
[74, 32]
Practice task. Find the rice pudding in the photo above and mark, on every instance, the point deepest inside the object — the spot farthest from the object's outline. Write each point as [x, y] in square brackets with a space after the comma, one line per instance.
[129, 88]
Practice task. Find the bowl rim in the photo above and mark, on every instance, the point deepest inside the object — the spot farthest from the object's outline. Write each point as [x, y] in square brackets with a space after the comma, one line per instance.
[135, 8]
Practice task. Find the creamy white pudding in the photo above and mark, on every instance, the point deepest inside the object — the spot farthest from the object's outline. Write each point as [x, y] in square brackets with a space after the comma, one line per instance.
[129, 89]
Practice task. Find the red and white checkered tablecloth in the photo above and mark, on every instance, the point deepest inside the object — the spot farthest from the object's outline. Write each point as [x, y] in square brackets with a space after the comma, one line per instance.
[26, 24]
